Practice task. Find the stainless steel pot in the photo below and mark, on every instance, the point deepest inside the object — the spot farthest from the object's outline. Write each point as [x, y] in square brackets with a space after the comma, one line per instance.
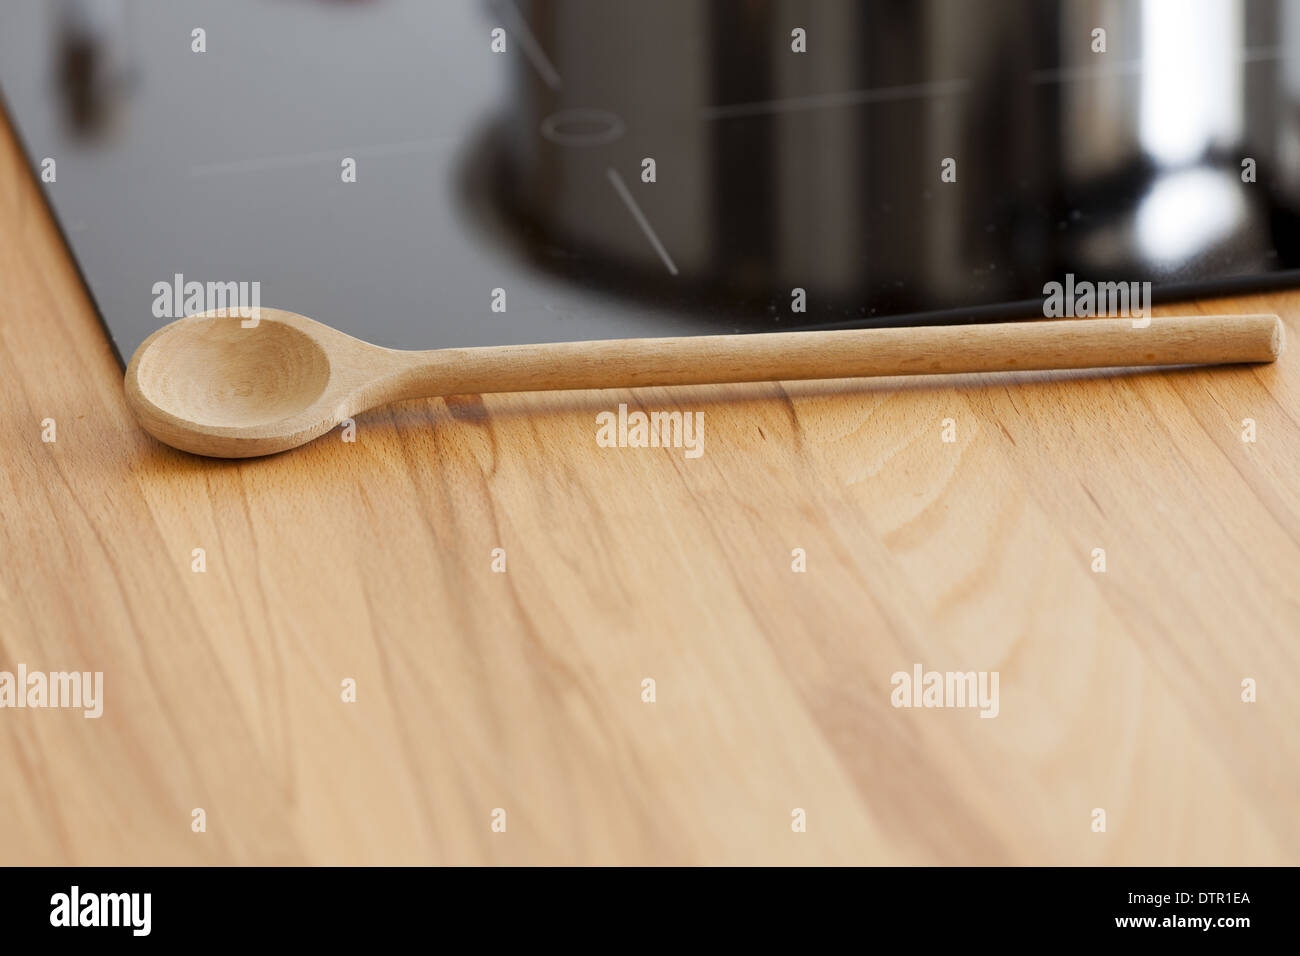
[822, 169]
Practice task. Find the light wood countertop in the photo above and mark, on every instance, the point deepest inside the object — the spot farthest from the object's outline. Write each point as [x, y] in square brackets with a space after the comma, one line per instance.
[522, 690]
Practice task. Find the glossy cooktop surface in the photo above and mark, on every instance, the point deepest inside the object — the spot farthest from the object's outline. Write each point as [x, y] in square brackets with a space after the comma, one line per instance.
[465, 173]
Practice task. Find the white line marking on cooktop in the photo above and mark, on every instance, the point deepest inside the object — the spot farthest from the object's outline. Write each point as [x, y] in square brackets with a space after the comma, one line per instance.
[794, 104]
[519, 26]
[621, 188]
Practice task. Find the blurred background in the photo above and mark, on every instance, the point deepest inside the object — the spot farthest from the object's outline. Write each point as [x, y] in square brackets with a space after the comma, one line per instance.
[479, 169]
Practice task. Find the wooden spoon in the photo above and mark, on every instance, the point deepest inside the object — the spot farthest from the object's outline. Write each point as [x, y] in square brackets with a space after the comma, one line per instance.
[209, 385]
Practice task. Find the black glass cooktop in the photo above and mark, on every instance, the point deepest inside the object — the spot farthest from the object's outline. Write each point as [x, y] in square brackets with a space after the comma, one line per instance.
[466, 173]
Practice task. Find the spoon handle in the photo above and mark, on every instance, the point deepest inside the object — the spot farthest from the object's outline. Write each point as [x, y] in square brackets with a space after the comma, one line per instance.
[849, 353]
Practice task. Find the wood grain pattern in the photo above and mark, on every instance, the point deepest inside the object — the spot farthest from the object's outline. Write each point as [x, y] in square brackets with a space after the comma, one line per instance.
[521, 690]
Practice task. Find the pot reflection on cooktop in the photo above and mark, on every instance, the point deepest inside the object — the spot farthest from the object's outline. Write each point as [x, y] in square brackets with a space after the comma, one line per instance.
[623, 168]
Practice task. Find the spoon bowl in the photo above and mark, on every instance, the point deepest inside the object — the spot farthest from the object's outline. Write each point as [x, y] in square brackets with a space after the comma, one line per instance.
[228, 387]
[210, 371]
